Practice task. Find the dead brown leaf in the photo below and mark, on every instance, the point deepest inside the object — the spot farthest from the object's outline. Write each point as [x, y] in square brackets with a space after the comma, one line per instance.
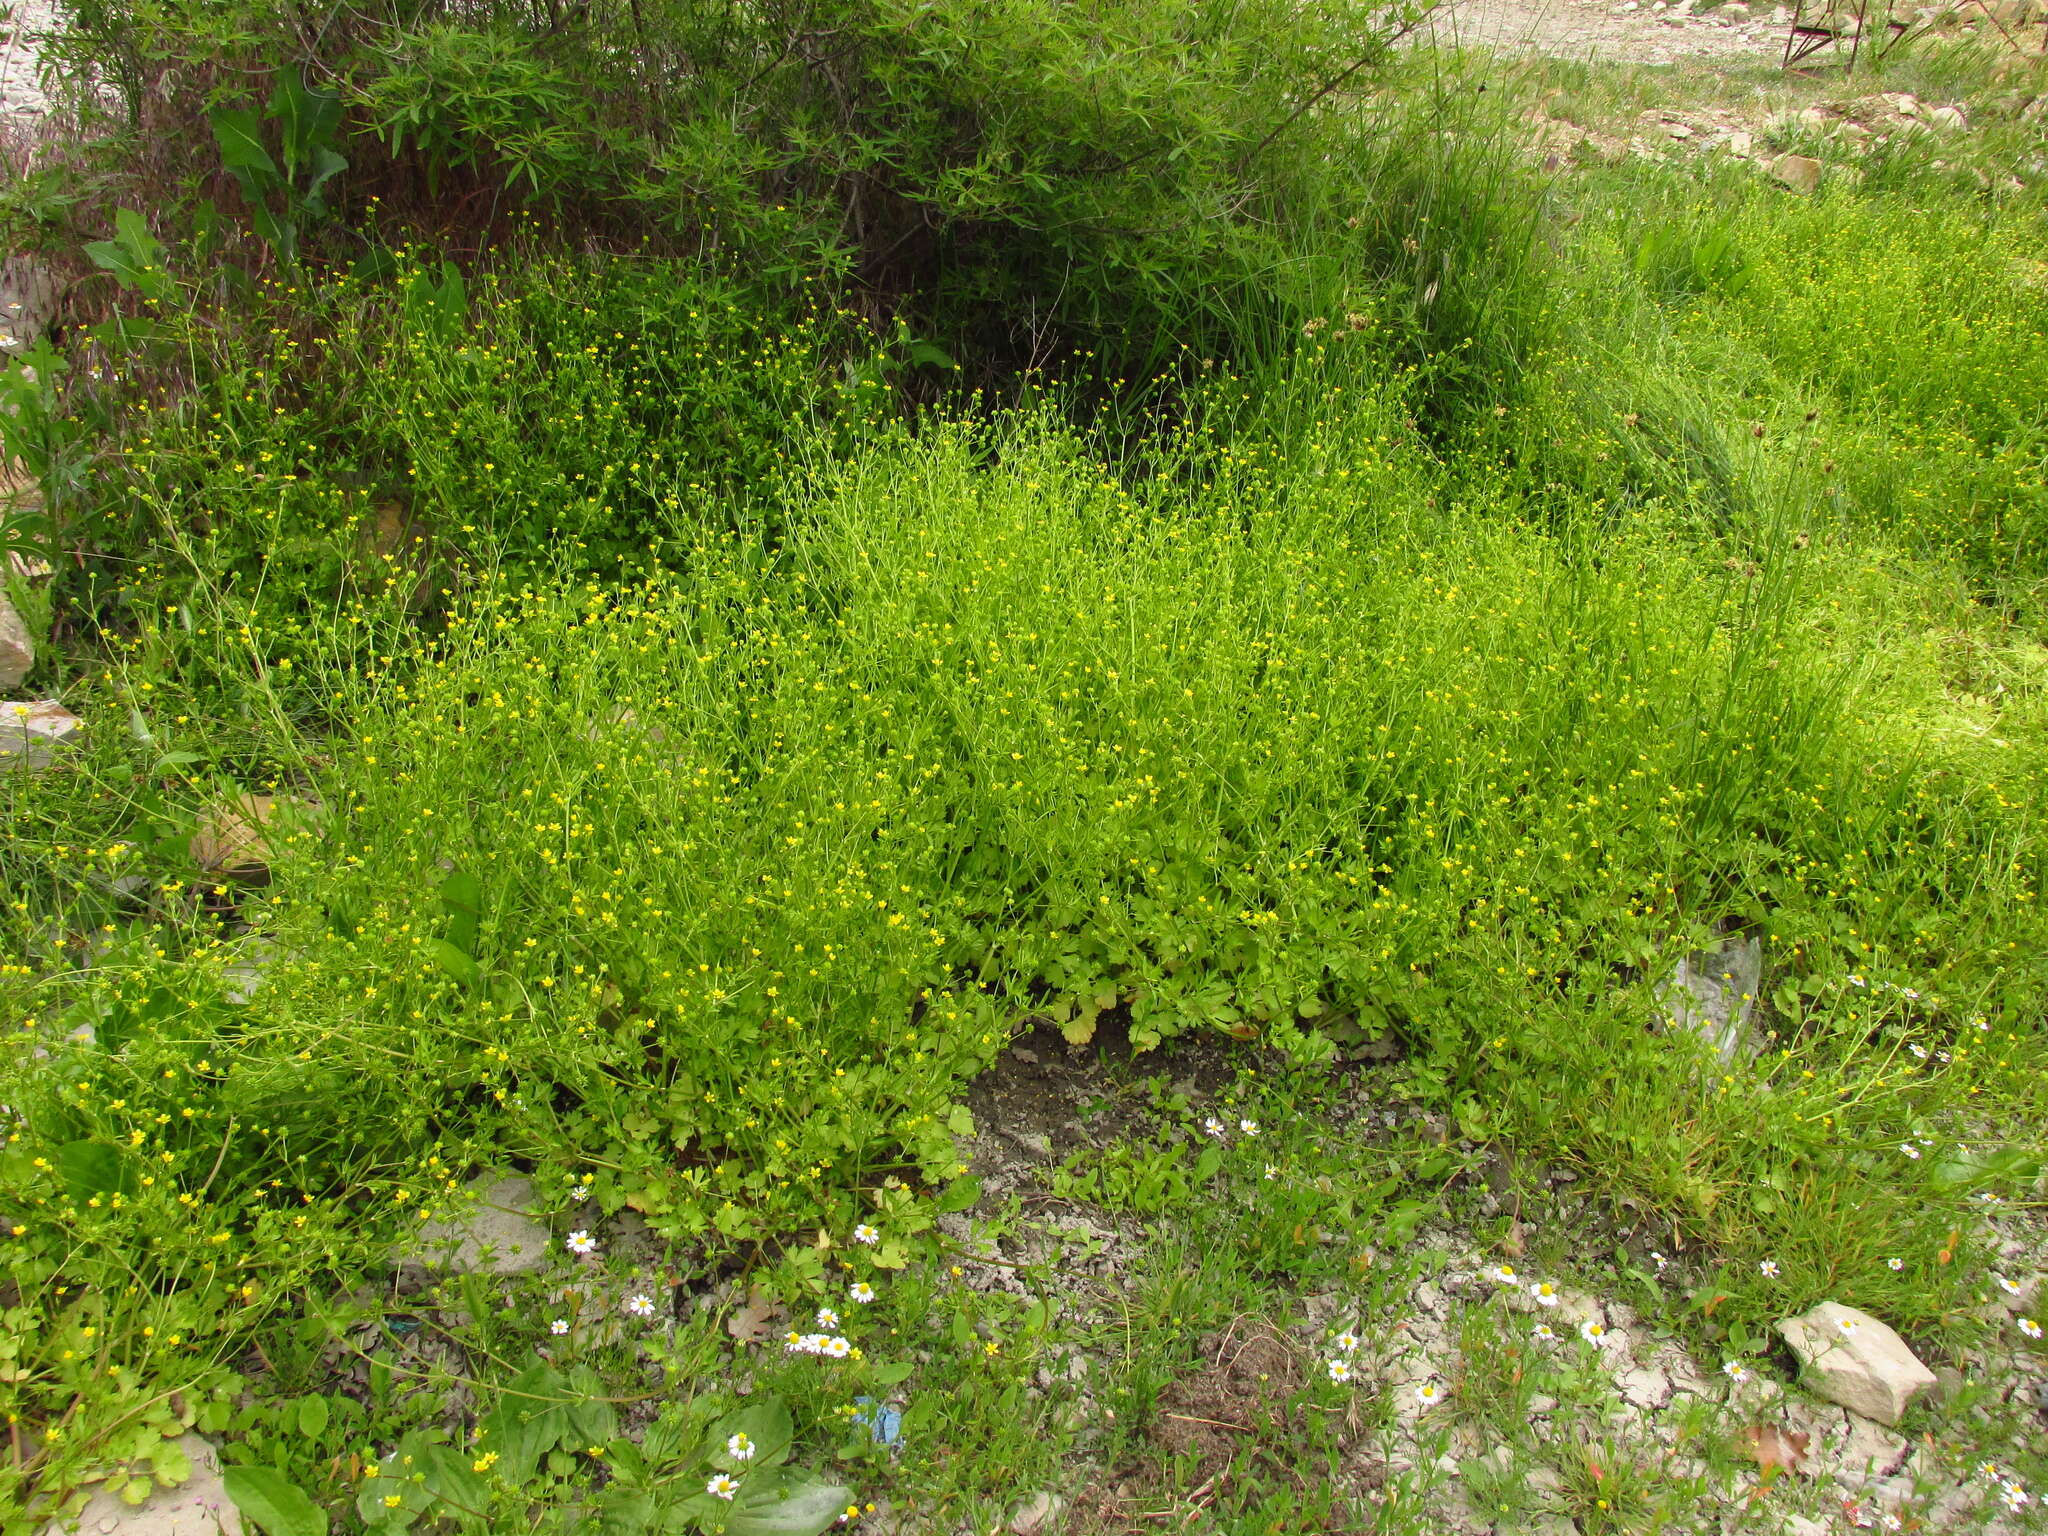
[760, 1320]
[1777, 1449]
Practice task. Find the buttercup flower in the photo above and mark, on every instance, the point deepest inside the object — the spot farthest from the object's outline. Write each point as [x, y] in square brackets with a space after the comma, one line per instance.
[582, 1244]
[1340, 1370]
[723, 1486]
[1429, 1394]
[740, 1447]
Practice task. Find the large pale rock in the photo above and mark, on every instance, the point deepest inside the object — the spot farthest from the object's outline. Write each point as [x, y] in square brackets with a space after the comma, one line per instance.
[1712, 994]
[17, 650]
[1868, 1371]
[494, 1235]
[29, 297]
[32, 730]
[1799, 172]
[199, 1506]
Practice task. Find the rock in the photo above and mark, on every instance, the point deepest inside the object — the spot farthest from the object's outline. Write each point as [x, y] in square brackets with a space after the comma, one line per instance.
[17, 650]
[199, 1506]
[1868, 1453]
[1869, 1371]
[1037, 1515]
[495, 1236]
[1799, 172]
[233, 839]
[1949, 118]
[1644, 1387]
[1736, 11]
[31, 732]
[1948, 1383]
[28, 304]
[1712, 994]
[1741, 143]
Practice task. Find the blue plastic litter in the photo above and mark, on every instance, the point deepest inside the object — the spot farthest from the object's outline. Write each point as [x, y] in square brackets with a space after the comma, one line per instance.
[883, 1423]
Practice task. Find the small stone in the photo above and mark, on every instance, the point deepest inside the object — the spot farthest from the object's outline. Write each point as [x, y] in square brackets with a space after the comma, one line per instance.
[1868, 1370]
[1678, 130]
[199, 1506]
[1948, 1383]
[1868, 1453]
[1037, 1515]
[1645, 1387]
[495, 1236]
[1950, 118]
[1799, 172]
[1735, 11]
[31, 731]
[17, 650]
[1740, 143]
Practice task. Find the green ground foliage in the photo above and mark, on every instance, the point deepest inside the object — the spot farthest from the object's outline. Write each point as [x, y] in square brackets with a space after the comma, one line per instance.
[743, 585]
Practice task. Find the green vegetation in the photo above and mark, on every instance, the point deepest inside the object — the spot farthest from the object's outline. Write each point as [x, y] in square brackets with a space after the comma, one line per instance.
[743, 590]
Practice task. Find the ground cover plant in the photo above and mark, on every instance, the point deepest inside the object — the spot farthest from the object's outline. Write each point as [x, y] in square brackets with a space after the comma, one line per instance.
[614, 717]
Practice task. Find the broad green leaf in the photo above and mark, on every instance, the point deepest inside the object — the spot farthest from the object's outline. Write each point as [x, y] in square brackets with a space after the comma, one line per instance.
[960, 1194]
[273, 1502]
[133, 256]
[240, 136]
[462, 902]
[91, 1168]
[800, 1506]
[451, 960]
[766, 1423]
[313, 1413]
[450, 1475]
[591, 1414]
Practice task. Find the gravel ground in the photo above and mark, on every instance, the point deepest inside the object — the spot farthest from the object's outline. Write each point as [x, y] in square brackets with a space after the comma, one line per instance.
[1628, 31]
[21, 90]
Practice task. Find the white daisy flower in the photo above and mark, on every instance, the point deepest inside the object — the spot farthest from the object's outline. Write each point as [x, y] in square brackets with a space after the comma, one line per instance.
[2010, 1287]
[1911, 1151]
[1660, 1261]
[861, 1292]
[1504, 1274]
[1340, 1370]
[1895, 1265]
[1545, 1293]
[640, 1306]
[722, 1486]
[740, 1447]
[1248, 1127]
[866, 1234]
[1213, 1126]
[835, 1348]
[582, 1244]
[1736, 1372]
[1545, 1333]
[2029, 1327]
[828, 1319]
[2015, 1496]
[1347, 1341]
[1847, 1326]
[1272, 1171]
[1593, 1332]
[1429, 1394]
[580, 1193]
[559, 1326]
[1768, 1269]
